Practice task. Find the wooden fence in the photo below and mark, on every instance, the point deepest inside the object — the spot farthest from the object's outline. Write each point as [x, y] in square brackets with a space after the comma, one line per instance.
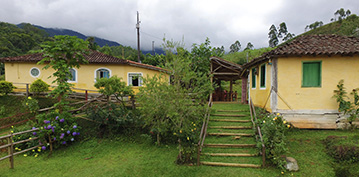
[10, 145]
[78, 93]
[258, 130]
[203, 133]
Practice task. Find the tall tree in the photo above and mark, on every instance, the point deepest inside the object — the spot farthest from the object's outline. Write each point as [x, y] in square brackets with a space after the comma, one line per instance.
[249, 46]
[282, 30]
[273, 36]
[235, 47]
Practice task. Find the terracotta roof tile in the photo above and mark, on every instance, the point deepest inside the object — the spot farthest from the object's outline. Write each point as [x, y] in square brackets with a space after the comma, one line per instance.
[94, 57]
[312, 45]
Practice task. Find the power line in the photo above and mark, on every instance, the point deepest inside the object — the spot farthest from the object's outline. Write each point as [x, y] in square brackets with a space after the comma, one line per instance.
[151, 35]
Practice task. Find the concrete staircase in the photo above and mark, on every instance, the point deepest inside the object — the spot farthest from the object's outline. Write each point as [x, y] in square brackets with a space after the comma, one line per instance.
[230, 139]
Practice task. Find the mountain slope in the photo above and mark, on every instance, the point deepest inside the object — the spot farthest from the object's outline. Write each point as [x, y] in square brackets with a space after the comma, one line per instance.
[346, 27]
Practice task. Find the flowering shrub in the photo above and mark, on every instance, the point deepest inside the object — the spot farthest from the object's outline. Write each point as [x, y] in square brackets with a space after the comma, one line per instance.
[29, 144]
[31, 104]
[57, 129]
[188, 138]
[273, 128]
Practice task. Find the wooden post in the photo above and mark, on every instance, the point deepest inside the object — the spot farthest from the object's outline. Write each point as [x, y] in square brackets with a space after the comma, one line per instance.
[230, 90]
[244, 90]
[11, 151]
[27, 90]
[86, 95]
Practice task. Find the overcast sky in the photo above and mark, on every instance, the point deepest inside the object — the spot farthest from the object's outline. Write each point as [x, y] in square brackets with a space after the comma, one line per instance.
[222, 21]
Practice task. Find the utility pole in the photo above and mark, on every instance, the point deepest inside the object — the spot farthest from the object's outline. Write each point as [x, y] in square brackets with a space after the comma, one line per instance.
[153, 47]
[138, 37]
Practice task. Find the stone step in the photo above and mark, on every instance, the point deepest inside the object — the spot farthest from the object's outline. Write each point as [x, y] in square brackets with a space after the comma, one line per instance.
[231, 164]
[229, 120]
[230, 127]
[230, 154]
[232, 110]
[230, 134]
[230, 115]
[230, 145]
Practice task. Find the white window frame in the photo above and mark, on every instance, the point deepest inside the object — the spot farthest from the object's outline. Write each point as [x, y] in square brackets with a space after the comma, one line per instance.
[129, 82]
[33, 75]
[95, 73]
[75, 81]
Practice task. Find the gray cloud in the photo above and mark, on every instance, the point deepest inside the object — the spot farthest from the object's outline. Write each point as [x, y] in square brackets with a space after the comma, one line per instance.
[223, 22]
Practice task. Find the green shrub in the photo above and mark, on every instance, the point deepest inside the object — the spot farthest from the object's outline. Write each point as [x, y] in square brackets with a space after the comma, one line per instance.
[6, 87]
[343, 148]
[113, 118]
[2, 77]
[274, 128]
[39, 86]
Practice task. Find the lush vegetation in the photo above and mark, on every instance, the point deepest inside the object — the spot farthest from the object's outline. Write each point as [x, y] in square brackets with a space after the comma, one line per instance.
[349, 108]
[274, 131]
[6, 87]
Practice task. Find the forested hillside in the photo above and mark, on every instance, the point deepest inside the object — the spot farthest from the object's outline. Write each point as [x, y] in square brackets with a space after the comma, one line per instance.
[16, 41]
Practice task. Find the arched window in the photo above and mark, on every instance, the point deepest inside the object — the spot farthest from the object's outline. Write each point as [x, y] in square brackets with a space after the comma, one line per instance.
[73, 75]
[102, 73]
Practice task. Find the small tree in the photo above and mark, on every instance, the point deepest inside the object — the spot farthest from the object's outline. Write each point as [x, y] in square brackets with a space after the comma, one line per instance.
[114, 86]
[61, 54]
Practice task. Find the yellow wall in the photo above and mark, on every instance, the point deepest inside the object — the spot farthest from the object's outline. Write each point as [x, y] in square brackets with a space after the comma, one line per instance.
[260, 95]
[317, 98]
[20, 73]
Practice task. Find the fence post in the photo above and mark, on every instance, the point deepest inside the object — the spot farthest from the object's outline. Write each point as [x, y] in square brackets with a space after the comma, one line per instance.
[86, 95]
[11, 151]
[27, 90]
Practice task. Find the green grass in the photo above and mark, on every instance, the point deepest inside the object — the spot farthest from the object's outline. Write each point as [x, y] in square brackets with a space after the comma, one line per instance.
[135, 156]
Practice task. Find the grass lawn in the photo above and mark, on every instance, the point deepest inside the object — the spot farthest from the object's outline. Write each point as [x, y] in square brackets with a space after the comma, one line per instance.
[125, 156]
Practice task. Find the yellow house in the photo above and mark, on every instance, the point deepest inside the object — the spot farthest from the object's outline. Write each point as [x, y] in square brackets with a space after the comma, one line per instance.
[298, 78]
[24, 69]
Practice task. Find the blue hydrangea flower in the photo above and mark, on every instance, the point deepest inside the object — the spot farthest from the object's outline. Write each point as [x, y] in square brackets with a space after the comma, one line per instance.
[68, 132]
[53, 129]
[49, 127]
[46, 121]
[57, 117]
[34, 133]
[43, 148]
[74, 126]
[72, 139]
[62, 120]
[74, 133]
[64, 142]
[54, 138]
[33, 128]
[78, 133]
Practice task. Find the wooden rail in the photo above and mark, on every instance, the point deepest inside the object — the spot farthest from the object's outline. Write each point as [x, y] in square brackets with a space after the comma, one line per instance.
[10, 145]
[254, 116]
[203, 133]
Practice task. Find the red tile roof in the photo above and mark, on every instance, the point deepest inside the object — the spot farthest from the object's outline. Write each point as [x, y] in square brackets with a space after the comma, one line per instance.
[312, 45]
[94, 57]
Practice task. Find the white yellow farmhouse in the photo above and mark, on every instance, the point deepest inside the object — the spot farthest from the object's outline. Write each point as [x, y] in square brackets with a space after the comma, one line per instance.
[24, 69]
[298, 79]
